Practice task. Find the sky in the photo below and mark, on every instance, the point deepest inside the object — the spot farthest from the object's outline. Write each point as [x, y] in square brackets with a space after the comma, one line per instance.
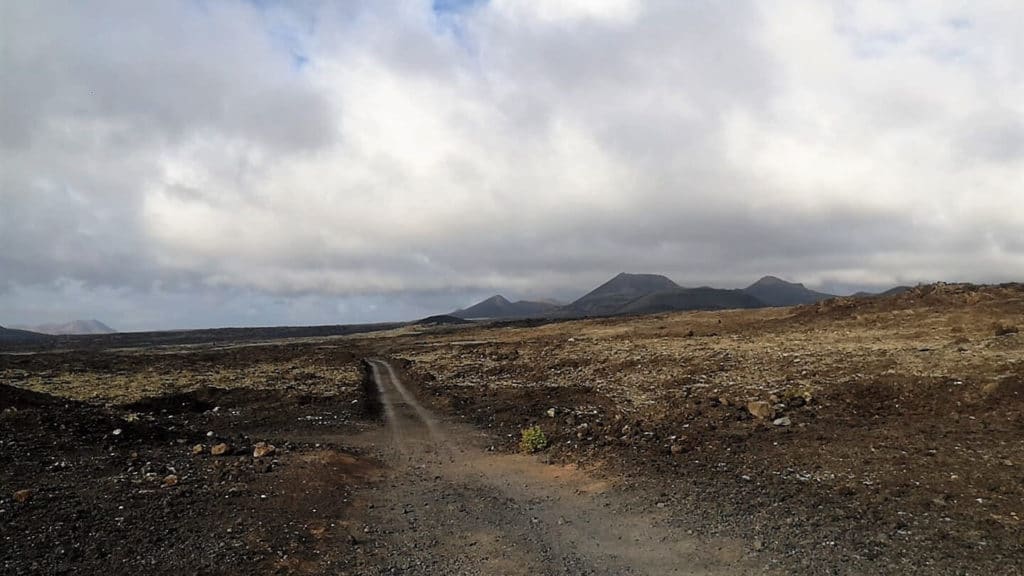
[235, 163]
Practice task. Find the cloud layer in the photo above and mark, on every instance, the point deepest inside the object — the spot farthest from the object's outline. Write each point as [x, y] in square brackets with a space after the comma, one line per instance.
[272, 162]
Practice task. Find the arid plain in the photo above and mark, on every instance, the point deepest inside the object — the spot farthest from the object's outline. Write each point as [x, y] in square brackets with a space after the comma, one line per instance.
[853, 436]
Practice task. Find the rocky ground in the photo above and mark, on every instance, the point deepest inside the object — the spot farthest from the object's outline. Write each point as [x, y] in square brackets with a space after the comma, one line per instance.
[212, 480]
[851, 437]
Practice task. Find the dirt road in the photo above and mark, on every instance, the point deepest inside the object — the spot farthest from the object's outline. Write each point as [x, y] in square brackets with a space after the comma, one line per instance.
[453, 507]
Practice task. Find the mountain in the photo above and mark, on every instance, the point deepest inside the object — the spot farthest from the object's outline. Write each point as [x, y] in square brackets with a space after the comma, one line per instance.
[74, 327]
[610, 297]
[777, 292]
[691, 299]
[14, 335]
[648, 294]
[498, 307]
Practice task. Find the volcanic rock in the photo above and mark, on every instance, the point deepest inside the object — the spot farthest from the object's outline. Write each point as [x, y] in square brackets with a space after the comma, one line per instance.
[262, 450]
[761, 410]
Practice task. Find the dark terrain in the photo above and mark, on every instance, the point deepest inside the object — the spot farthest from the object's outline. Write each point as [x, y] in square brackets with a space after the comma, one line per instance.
[134, 488]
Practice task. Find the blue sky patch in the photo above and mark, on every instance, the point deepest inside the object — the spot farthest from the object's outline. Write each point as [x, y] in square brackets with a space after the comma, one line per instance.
[450, 6]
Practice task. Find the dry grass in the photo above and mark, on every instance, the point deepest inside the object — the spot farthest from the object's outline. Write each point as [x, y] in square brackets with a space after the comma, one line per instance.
[741, 355]
[121, 377]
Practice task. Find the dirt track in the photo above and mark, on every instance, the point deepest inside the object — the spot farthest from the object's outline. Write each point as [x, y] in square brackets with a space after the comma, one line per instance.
[452, 507]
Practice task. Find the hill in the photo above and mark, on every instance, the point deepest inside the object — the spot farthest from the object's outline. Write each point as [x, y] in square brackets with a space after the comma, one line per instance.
[441, 320]
[499, 307]
[610, 297]
[895, 291]
[75, 327]
[691, 299]
[14, 335]
[777, 292]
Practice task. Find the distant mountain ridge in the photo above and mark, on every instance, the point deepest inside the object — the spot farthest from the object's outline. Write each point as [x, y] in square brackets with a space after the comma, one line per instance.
[499, 307]
[683, 299]
[896, 290]
[73, 328]
[16, 335]
[628, 293]
[775, 291]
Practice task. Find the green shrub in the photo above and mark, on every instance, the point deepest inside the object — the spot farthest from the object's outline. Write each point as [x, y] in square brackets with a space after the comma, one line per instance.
[533, 440]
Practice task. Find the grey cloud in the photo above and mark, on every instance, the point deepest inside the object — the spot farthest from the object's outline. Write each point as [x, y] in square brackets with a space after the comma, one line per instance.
[997, 136]
[174, 160]
[165, 70]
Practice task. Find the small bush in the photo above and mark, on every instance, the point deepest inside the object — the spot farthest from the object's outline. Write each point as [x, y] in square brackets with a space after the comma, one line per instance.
[1004, 329]
[533, 440]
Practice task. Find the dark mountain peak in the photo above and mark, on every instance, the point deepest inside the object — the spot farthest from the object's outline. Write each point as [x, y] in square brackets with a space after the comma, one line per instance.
[639, 283]
[775, 291]
[620, 290]
[631, 276]
[498, 306]
[774, 281]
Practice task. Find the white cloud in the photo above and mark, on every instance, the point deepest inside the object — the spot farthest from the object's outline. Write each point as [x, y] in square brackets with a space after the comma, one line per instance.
[569, 11]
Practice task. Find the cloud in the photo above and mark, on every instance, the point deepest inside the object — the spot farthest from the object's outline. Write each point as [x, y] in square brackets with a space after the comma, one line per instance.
[367, 153]
[569, 11]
